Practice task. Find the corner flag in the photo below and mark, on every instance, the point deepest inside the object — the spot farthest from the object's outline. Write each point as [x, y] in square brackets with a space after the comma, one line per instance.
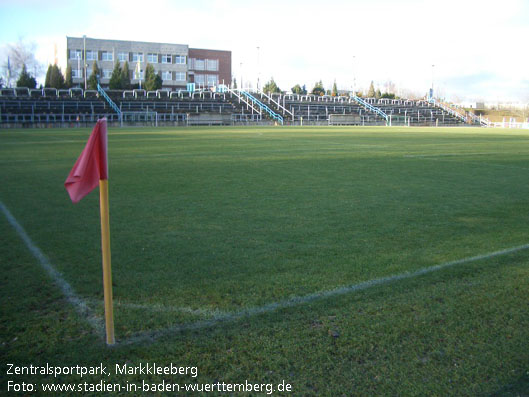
[90, 169]
[91, 166]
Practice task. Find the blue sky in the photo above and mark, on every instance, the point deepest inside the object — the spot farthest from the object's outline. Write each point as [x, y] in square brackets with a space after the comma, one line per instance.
[478, 47]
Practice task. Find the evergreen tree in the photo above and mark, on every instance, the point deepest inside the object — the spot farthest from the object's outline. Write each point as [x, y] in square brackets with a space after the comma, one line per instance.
[304, 90]
[56, 77]
[25, 79]
[297, 89]
[115, 78]
[153, 81]
[68, 80]
[234, 83]
[271, 86]
[371, 92]
[92, 80]
[318, 89]
[334, 89]
[47, 81]
[378, 94]
[125, 76]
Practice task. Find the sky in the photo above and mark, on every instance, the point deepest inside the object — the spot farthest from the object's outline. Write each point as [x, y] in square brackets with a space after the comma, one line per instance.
[470, 50]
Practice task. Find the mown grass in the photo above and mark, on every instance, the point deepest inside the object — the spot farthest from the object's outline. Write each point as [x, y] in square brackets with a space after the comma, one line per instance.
[211, 220]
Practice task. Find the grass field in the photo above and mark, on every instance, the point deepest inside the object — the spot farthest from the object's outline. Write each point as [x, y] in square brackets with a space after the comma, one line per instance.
[304, 255]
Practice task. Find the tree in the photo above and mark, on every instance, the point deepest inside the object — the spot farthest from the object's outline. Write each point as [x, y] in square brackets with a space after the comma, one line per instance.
[371, 92]
[304, 90]
[68, 80]
[25, 79]
[271, 86]
[297, 89]
[18, 55]
[47, 82]
[234, 83]
[92, 80]
[153, 81]
[125, 76]
[378, 94]
[115, 78]
[334, 89]
[318, 89]
[56, 77]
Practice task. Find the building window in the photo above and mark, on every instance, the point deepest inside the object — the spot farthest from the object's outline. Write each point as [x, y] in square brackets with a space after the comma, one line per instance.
[212, 64]
[213, 80]
[167, 58]
[137, 57]
[77, 73]
[91, 55]
[180, 76]
[123, 56]
[180, 59]
[198, 64]
[167, 75]
[107, 56]
[152, 58]
[200, 79]
[76, 54]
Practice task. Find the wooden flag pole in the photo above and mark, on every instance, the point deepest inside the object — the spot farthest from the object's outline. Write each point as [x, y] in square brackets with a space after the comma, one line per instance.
[107, 272]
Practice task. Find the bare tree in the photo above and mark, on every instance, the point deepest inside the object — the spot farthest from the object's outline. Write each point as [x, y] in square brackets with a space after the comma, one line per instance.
[18, 55]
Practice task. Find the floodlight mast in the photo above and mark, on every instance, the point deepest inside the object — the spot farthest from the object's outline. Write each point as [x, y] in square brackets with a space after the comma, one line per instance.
[258, 71]
[84, 61]
[242, 87]
[78, 65]
[433, 66]
[354, 76]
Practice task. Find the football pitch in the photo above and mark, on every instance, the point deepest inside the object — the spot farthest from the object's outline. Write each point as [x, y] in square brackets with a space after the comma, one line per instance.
[342, 261]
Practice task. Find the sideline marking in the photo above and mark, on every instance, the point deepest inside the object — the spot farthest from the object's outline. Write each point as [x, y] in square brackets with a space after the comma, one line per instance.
[224, 317]
[78, 303]
[151, 336]
[160, 308]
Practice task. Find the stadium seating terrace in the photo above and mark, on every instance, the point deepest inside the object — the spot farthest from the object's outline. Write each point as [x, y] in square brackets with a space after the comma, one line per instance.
[22, 107]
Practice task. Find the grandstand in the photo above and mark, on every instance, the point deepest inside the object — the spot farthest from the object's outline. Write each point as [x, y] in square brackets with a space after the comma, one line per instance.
[22, 107]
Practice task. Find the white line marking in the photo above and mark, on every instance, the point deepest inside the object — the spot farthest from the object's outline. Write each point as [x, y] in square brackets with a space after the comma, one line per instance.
[222, 317]
[433, 155]
[469, 162]
[150, 336]
[79, 304]
[155, 307]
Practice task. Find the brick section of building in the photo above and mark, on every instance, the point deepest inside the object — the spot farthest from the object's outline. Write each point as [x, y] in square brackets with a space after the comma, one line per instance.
[209, 67]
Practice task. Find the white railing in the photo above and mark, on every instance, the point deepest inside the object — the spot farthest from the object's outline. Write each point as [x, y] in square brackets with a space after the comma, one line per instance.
[279, 106]
[243, 99]
[509, 124]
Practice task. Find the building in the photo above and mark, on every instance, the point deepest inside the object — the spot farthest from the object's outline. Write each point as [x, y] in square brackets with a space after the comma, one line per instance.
[209, 67]
[177, 64]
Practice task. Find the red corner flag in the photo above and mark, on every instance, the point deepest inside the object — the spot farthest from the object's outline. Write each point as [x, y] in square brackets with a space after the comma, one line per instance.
[91, 166]
[91, 169]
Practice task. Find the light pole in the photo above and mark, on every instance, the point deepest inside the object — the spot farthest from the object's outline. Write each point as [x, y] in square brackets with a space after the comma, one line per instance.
[354, 76]
[431, 92]
[84, 61]
[242, 87]
[79, 66]
[258, 71]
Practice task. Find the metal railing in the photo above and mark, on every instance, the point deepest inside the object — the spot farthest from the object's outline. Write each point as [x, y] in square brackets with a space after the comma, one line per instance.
[371, 108]
[262, 106]
[110, 101]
